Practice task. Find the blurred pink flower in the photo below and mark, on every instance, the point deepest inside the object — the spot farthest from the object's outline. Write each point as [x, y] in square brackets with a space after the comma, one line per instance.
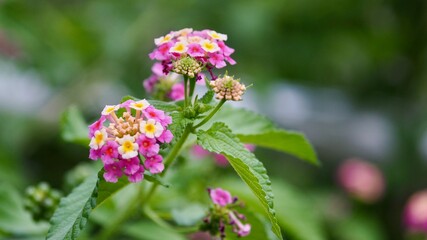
[220, 196]
[361, 179]
[177, 92]
[415, 214]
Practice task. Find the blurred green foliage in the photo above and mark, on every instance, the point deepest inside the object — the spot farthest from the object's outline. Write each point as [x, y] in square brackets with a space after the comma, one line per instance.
[374, 51]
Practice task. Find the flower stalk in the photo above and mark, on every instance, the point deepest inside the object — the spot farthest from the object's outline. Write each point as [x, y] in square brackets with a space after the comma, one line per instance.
[211, 114]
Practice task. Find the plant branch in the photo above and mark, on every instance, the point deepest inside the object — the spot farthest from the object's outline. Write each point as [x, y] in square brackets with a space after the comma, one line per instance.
[211, 114]
[168, 161]
[185, 91]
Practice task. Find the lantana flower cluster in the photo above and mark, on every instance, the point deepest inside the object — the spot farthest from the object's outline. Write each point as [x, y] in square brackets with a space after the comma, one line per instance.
[224, 213]
[228, 88]
[188, 52]
[127, 139]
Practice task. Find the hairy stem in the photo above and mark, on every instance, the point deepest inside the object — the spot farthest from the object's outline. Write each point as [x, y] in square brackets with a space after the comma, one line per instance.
[168, 161]
[211, 114]
[192, 86]
[185, 91]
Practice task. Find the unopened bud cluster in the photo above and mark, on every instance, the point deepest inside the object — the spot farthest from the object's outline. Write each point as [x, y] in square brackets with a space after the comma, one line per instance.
[187, 66]
[41, 201]
[229, 88]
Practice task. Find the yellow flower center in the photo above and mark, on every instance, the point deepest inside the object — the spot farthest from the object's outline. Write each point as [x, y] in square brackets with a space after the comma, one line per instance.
[99, 138]
[180, 47]
[128, 146]
[139, 105]
[208, 46]
[150, 128]
[110, 109]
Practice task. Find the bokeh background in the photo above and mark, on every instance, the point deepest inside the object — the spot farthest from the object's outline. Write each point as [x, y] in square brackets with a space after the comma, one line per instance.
[351, 75]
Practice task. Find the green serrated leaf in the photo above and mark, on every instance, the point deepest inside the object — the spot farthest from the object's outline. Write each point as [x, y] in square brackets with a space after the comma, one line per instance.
[286, 141]
[207, 98]
[251, 127]
[150, 231]
[73, 211]
[165, 106]
[220, 139]
[179, 122]
[74, 127]
[13, 217]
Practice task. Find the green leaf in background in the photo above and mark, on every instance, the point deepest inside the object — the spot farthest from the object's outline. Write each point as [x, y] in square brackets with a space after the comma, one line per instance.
[189, 215]
[220, 139]
[359, 226]
[14, 220]
[73, 211]
[251, 127]
[150, 231]
[242, 121]
[286, 141]
[74, 127]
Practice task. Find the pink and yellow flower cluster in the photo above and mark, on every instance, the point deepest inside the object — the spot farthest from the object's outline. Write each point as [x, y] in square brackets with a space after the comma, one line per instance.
[206, 46]
[129, 143]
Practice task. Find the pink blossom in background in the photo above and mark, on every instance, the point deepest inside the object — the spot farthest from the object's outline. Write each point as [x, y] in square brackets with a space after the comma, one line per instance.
[220, 196]
[415, 213]
[200, 152]
[361, 179]
[177, 92]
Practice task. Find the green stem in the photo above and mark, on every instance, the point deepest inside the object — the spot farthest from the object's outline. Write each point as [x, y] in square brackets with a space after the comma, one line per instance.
[168, 161]
[207, 118]
[185, 90]
[109, 231]
[192, 86]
